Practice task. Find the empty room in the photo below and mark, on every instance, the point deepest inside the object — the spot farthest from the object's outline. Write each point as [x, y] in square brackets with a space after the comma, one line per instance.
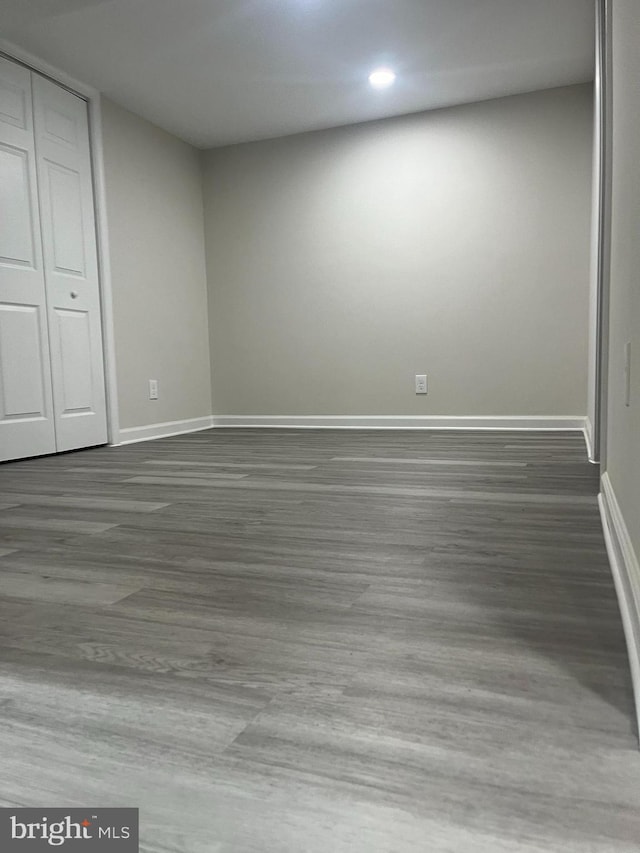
[319, 426]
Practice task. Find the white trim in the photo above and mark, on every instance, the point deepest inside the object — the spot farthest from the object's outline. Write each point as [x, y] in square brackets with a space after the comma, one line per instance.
[163, 430]
[563, 422]
[92, 96]
[130, 435]
[588, 439]
[601, 232]
[626, 575]
[13, 51]
[104, 268]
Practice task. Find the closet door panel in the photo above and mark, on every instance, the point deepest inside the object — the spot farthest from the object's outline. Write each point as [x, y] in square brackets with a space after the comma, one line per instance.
[26, 406]
[74, 334]
[21, 357]
[65, 199]
[16, 234]
[71, 268]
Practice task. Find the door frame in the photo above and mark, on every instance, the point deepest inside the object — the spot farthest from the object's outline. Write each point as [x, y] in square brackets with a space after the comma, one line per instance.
[92, 97]
[601, 236]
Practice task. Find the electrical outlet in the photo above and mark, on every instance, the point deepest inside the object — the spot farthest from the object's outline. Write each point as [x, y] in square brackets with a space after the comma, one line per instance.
[153, 389]
[421, 383]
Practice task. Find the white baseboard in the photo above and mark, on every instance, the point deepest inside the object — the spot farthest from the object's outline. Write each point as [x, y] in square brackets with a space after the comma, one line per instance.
[130, 435]
[562, 422]
[626, 575]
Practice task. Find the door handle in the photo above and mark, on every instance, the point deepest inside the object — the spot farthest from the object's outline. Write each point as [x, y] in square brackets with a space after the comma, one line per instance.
[74, 294]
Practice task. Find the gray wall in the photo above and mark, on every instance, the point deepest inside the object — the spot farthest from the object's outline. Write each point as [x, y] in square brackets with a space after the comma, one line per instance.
[623, 428]
[156, 241]
[453, 243]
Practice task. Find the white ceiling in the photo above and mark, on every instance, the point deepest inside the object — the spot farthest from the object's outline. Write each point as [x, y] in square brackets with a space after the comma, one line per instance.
[220, 71]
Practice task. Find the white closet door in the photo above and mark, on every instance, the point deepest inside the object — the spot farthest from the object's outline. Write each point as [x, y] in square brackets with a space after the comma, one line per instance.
[26, 410]
[70, 264]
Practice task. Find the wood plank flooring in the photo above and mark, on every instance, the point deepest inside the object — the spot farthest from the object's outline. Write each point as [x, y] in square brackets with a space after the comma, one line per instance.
[319, 641]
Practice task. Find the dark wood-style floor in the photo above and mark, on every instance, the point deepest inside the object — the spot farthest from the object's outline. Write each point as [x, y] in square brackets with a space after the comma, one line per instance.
[319, 641]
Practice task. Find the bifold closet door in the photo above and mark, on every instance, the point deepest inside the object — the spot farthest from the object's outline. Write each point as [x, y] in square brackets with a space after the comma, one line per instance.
[26, 409]
[63, 162]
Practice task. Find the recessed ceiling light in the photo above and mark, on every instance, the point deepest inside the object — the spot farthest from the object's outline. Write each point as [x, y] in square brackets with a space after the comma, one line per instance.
[382, 78]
